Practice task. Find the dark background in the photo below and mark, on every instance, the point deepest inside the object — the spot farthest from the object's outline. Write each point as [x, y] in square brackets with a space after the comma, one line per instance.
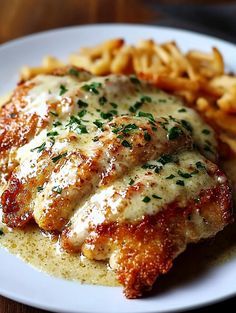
[23, 17]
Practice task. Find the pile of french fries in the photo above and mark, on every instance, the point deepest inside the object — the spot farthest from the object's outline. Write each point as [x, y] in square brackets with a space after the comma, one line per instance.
[198, 77]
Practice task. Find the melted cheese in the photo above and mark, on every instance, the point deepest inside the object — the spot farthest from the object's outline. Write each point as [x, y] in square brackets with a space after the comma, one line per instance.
[57, 99]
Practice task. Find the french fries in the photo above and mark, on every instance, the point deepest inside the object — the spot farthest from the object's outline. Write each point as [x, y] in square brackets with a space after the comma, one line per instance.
[196, 76]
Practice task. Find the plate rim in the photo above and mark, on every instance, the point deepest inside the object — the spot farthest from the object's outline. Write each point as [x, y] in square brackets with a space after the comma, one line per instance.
[36, 36]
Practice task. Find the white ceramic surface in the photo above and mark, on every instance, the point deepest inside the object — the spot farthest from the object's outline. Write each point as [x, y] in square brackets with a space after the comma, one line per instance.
[18, 280]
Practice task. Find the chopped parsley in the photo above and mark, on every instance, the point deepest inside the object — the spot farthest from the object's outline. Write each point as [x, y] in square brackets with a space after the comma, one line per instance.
[182, 110]
[165, 158]
[207, 148]
[180, 182]
[76, 125]
[187, 125]
[74, 72]
[82, 104]
[156, 197]
[57, 123]
[206, 131]
[63, 89]
[131, 182]
[184, 174]
[39, 188]
[174, 133]
[82, 113]
[146, 99]
[52, 134]
[39, 148]
[58, 157]
[126, 144]
[53, 113]
[146, 199]
[57, 189]
[154, 167]
[200, 165]
[114, 105]
[147, 115]
[129, 127]
[98, 124]
[147, 136]
[1, 232]
[102, 100]
[171, 176]
[92, 87]
[134, 80]
[134, 108]
[106, 116]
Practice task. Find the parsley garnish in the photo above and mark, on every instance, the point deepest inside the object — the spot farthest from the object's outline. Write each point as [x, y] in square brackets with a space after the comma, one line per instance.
[200, 165]
[82, 113]
[57, 123]
[134, 80]
[182, 110]
[171, 176]
[165, 158]
[107, 115]
[114, 105]
[126, 144]
[152, 167]
[180, 182]
[63, 89]
[1, 232]
[146, 99]
[156, 197]
[39, 148]
[187, 125]
[75, 125]
[74, 72]
[146, 199]
[58, 157]
[92, 87]
[39, 188]
[53, 113]
[174, 133]
[206, 131]
[184, 174]
[57, 189]
[82, 104]
[98, 124]
[131, 182]
[52, 134]
[147, 136]
[102, 100]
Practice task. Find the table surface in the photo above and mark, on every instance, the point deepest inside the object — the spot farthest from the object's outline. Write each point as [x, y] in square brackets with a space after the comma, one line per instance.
[22, 17]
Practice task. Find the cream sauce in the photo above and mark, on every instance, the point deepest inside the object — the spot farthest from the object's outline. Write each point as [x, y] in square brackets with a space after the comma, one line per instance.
[43, 252]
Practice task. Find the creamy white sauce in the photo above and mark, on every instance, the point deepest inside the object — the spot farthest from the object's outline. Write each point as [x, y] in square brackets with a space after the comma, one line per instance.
[39, 250]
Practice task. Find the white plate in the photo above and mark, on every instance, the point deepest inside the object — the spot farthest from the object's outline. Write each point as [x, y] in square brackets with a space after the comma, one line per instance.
[19, 281]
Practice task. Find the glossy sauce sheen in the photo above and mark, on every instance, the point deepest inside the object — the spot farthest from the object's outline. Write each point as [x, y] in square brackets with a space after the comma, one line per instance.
[113, 97]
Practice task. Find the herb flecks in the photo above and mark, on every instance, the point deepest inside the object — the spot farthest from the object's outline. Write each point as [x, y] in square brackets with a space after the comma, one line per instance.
[75, 124]
[39, 148]
[58, 157]
[180, 183]
[57, 189]
[39, 188]
[93, 87]
[206, 131]
[126, 144]
[146, 199]
[63, 89]
[82, 104]
[74, 72]
[156, 197]
[171, 176]
[174, 133]
[134, 80]
[184, 174]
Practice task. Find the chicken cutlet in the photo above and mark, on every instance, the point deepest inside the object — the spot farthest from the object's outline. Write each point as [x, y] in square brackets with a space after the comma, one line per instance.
[121, 170]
